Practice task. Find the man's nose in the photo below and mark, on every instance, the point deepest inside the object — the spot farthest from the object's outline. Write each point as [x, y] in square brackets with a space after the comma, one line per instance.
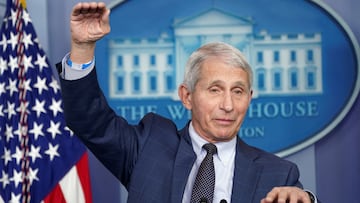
[227, 102]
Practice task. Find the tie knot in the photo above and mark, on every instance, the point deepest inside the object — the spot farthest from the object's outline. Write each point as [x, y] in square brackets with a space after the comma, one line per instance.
[210, 148]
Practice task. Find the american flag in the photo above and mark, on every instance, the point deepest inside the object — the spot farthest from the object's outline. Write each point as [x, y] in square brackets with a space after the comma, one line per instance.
[40, 158]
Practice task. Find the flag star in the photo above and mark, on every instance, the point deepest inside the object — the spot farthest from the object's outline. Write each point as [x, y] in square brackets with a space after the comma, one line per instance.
[15, 198]
[27, 40]
[37, 130]
[13, 63]
[4, 179]
[27, 62]
[1, 110]
[39, 107]
[3, 65]
[26, 17]
[55, 106]
[12, 86]
[6, 21]
[18, 132]
[26, 85]
[8, 132]
[13, 40]
[18, 155]
[10, 109]
[13, 17]
[70, 131]
[41, 84]
[3, 42]
[37, 42]
[23, 107]
[41, 61]
[34, 153]
[2, 88]
[33, 175]
[52, 151]
[6, 156]
[53, 129]
[55, 85]
[17, 178]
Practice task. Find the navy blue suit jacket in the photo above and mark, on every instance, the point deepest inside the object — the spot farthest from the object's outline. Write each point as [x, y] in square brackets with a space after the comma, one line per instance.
[153, 159]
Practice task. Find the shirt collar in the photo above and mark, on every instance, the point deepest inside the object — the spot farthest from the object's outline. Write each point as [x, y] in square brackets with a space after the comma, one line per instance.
[225, 150]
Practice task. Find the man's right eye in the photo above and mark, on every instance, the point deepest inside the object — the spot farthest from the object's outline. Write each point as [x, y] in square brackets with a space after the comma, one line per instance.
[214, 90]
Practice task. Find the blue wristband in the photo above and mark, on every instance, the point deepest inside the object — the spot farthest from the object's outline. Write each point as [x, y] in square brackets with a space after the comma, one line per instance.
[78, 66]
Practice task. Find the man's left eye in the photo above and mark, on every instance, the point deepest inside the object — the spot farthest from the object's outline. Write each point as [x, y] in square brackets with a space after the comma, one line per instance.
[238, 91]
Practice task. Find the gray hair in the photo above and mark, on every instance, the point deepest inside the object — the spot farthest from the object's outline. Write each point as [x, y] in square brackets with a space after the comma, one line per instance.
[229, 54]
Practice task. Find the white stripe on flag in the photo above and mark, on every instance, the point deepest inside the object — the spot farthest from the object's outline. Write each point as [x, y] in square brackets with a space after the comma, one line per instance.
[71, 187]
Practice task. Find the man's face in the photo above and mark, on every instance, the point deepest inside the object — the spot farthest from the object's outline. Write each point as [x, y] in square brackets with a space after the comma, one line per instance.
[219, 102]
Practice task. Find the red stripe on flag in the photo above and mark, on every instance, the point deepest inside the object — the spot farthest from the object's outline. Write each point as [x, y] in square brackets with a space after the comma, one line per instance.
[83, 172]
[55, 196]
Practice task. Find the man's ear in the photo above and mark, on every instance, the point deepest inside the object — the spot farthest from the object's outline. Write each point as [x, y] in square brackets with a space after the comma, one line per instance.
[185, 96]
[251, 95]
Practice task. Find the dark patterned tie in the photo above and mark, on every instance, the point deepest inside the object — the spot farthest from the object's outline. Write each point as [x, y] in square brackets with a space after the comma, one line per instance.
[203, 190]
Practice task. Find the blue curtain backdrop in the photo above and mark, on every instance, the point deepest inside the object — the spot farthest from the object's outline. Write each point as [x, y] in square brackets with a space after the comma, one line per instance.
[330, 167]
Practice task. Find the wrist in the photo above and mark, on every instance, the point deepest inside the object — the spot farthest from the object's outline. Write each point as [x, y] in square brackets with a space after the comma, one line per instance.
[81, 66]
[82, 52]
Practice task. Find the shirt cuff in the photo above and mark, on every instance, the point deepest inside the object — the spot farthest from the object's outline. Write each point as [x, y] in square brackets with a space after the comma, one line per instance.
[72, 71]
[312, 196]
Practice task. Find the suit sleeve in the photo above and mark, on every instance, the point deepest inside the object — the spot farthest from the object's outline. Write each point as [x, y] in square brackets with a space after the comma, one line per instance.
[294, 175]
[112, 140]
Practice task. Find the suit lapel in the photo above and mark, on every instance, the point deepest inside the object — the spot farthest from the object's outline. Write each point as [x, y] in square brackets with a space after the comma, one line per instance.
[246, 173]
[184, 161]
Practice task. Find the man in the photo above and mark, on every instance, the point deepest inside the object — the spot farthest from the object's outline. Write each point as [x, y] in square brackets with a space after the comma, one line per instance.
[155, 161]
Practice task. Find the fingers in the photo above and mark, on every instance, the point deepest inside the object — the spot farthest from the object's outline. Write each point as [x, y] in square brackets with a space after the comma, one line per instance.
[286, 195]
[86, 8]
[105, 17]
